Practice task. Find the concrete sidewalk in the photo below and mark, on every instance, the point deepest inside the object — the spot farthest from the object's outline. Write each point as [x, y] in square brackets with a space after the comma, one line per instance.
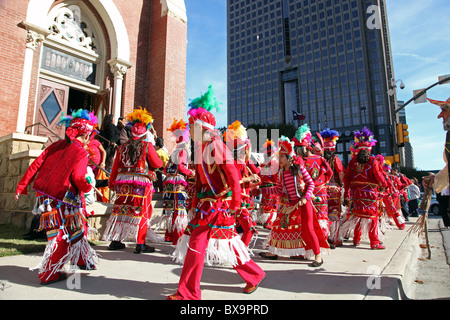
[347, 273]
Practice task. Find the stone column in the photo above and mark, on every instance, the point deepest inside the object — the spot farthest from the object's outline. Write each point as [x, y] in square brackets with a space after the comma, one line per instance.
[118, 68]
[34, 39]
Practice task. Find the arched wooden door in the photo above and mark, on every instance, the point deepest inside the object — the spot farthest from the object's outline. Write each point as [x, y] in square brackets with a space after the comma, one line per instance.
[51, 103]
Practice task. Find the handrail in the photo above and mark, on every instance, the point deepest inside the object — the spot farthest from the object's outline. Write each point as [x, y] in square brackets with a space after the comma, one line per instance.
[41, 124]
[60, 138]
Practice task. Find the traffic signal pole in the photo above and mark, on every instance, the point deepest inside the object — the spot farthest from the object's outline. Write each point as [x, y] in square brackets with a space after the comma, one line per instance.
[421, 93]
[395, 131]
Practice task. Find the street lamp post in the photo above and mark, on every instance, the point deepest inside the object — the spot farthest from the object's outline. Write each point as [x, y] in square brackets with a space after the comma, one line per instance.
[392, 113]
[421, 93]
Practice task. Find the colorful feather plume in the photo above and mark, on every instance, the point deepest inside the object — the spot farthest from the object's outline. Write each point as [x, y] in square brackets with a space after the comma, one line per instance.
[178, 125]
[206, 102]
[80, 114]
[286, 146]
[179, 128]
[236, 131]
[329, 135]
[269, 144]
[302, 133]
[365, 137]
[140, 116]
[362, 139]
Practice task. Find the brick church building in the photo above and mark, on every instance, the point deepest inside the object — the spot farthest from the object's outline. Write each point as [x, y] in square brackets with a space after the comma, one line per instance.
[110, 56]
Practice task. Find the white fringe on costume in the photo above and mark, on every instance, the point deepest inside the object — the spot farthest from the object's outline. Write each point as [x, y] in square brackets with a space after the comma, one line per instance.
[308, 254]
[348, 228]
[121, 228]
[384, 223]
[164, 221]
[153, 237]
[219, 252]
[324, 226]
[81, 249]
[335, 235]
[263, 217]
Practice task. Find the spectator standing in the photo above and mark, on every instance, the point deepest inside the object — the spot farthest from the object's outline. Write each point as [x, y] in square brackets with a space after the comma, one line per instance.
[124, 131]
[414, 195]
[111, 137]
[164, 156]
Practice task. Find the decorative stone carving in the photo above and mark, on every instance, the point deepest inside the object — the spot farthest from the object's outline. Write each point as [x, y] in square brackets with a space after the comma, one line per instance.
[68, 24]
[174, 8]
[118, 68]
[34, 39]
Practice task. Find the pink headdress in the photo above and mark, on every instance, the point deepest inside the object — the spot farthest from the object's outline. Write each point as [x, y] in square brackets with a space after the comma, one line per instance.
[80, 122]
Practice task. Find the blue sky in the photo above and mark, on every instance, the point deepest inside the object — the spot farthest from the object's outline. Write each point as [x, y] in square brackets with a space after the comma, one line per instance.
[420, 41]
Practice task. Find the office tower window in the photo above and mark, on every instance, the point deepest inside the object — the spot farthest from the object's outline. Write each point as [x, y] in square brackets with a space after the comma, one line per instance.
[314, 56]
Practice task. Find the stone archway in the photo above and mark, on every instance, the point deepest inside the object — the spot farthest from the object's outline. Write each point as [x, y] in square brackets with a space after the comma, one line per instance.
[37, 23]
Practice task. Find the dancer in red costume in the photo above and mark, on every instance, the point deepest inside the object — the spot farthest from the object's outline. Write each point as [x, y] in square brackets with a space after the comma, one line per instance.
[318, 169]
[335, 185]
[59, 175]
[296, 231]
[267, 212]
[211, 234]
[237, 140]
[131, 177]
[362, 181]
[175, 213]
[390, 196]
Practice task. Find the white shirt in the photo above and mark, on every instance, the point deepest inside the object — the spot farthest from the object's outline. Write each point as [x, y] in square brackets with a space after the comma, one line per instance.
[414, 192]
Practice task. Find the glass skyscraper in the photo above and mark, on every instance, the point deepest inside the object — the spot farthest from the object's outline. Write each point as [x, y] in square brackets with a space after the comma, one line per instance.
[328, 60]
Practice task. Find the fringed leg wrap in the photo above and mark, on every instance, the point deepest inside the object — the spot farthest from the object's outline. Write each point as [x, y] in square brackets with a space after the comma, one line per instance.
[219, 252]
[121, 228]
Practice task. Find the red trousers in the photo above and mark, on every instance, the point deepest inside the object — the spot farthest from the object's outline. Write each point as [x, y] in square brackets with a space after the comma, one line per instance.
[372, 226]
[244, 219]
[148, 210]
[189, 284]
[62, 249]
[311, 232]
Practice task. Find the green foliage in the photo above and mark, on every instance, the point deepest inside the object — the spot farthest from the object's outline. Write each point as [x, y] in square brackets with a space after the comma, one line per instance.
[11, 242]
[414, 172]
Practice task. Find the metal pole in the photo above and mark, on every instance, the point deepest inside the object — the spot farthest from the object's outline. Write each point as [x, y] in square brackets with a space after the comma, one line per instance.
[421, 93]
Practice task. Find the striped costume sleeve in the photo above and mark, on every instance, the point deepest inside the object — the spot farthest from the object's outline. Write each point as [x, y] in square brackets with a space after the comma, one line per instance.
[308, 181]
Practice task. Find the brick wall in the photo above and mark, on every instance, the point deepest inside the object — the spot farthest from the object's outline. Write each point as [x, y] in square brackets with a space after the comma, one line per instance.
[167, 72]
[12, 53]
[157, 52]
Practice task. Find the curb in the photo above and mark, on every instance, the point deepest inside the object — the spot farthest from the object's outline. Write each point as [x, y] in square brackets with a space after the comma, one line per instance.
[399, 273]
[445, 233]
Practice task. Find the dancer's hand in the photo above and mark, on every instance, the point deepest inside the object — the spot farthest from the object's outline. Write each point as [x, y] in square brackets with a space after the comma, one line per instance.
[303, 201]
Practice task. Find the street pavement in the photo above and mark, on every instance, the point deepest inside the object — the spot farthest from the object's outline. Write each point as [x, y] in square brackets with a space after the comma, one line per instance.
[348, 273]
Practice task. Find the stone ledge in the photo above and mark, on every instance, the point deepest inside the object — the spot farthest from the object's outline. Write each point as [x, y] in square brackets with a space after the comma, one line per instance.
[23, 137]
[26, 154]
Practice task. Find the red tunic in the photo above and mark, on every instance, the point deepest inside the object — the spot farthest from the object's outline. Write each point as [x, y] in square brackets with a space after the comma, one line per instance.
[133, 185]
[320, 172]
[334, 189]
[217, 174]
[60, 166]
[361, 183]
[59, 174]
